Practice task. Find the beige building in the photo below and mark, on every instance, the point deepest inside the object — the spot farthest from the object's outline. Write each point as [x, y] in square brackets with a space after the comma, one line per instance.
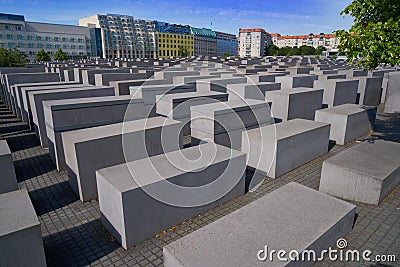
[252, 42]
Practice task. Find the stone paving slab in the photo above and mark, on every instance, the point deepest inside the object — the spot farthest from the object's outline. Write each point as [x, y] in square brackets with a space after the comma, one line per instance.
[73, 234]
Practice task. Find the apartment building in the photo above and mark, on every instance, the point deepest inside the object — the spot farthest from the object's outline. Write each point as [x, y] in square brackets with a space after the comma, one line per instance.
[329, 41]
[174, 40]
[252, 42]
[205, 42]
[30, 37]
[226, 43]
[124, 36]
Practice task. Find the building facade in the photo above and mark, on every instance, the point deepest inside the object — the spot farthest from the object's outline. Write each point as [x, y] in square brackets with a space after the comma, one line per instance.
[124, 36]
[329, 41]
[252, 42]
[226, 44]
[30, 37]
[205, 42]
[174, 40]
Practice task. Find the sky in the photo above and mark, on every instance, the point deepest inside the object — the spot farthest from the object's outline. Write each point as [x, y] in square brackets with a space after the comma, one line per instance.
[287, 17]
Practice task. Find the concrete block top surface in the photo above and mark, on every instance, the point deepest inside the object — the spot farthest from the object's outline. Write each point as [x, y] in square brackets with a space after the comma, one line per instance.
[89, 102]
[289, 128]
[104, 131]
[346, 109]
[72, 89]
[378, 159]
[186, 96]
[159, 168]
[4, 148]
[298, 90]
[229, 106]
[16, 212]
[292, 217]
[43, 84]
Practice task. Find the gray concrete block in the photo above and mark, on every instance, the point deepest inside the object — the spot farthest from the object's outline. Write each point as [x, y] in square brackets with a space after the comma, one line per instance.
[132, 215]
[352, 175]
[276, 149]
[290, 104]
[372, 94]
[348, 121]
[218, 84]
[73, 114]
[27, 111]
[301, 80]
[338, 92]
[223, 123]
[91, 149]
[8, 179]
[293, 217]
[392, 102]
[122, 87]
[251, 91]
[177, 106]
[36, 99]
[21, 241]
[106, 78]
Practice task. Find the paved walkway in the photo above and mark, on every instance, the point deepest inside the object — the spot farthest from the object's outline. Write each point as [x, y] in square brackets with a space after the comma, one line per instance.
[73, 234]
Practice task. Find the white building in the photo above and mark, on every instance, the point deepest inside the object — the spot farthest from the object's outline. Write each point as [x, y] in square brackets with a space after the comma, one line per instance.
[124, 36]
[329, 41]
[252, 42]
[30, 37]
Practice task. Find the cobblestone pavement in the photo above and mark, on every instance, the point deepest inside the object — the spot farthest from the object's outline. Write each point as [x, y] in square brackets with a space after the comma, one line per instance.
[73, 234]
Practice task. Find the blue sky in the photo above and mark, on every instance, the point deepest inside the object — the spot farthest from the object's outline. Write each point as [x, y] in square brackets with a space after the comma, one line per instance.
[284, 17]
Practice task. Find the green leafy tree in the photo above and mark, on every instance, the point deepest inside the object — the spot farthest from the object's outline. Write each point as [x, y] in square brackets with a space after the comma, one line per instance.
[271, 50]
[319, 50]
[42, 56]
[306, 50]
[60, 55]
[226, 54]
[183, 51]
[284, 51]
[375, 36]
[12, 57]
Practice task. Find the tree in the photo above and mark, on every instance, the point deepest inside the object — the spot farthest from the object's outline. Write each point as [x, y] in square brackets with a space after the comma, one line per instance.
[306, 50]
[375, 36]
[226, 54]
[271, 50]
[42, 56]
[319, 50]
[60, 55]
[12, 57]
[183, 51]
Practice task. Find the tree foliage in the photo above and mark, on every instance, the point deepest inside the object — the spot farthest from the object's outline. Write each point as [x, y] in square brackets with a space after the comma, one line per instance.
[60, 55]
[183, 51]
[42, 56]
[375, 36]
[226, 54]
[12, 57]
[304, 50]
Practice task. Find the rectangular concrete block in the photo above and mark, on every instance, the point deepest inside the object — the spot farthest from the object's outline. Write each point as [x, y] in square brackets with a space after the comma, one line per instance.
[177, 106]
[302, 80]
[21, 241]
[8, 179]
[251, 90]
[122, 87]
[132, 216]
[73, 114]
[392, 100]
[36, 99]
[338, 92]
[106, 78]
[218, 84]
[91, 149]
[348, 121]
[293, 217]
[290, 104]
[223, 123]
[276, 149]
[354, 175]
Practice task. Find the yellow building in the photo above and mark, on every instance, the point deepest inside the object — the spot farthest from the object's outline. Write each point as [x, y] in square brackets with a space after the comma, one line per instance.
[174, 45]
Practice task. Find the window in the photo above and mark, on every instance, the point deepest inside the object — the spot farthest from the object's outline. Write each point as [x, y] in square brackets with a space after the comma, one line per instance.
[8, 27]
[21, 45]
[47, 38]
[72, 46]
[64, 39]
[57, 46]
[20, 37]
[38, 38]
[65, 46]
[39, 45]
[30, 45]
[56, 39]
[18, 28]
[29, 37]
[80, 40]
[48, 46]
[9, 36]
[72, 40]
